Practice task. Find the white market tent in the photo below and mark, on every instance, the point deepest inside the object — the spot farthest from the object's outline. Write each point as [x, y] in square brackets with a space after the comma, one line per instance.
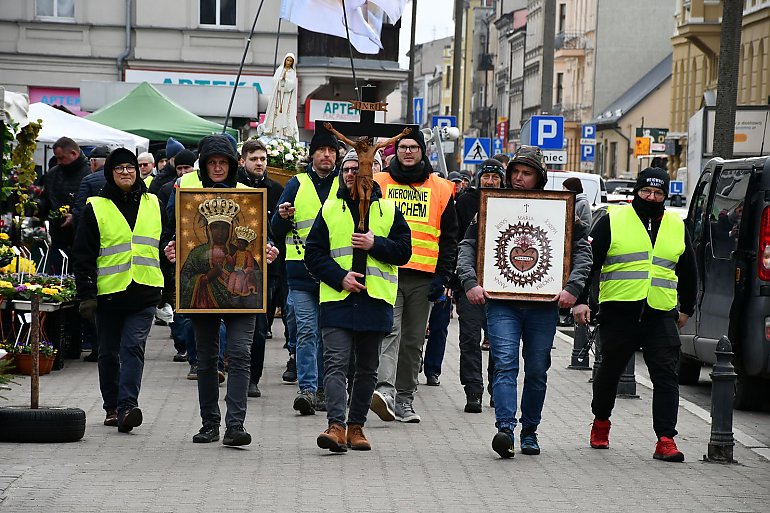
[57, 123]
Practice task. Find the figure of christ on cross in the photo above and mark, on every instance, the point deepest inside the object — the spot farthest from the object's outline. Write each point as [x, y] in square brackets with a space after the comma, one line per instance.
[365, 149]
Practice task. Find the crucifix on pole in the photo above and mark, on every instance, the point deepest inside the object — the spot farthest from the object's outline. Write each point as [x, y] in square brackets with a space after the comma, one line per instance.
[365, 127]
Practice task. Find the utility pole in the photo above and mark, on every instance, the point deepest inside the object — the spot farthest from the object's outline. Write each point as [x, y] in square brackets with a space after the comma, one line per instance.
[549, 34]
[727, 82]
[456, 75]
[410, 84]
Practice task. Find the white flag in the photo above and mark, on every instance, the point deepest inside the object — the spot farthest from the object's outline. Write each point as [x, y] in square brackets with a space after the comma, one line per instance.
[365, 18]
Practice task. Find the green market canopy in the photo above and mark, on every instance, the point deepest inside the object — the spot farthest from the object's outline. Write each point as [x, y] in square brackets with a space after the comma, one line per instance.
[147, 112]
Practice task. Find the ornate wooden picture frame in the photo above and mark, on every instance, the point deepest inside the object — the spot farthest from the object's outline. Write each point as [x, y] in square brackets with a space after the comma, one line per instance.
[220, 245]
[524, 245]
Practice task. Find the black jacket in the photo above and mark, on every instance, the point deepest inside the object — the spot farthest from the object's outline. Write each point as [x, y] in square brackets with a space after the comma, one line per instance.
[89, 186]
[164, 176]
[273, 190]
[447, 241]
[85, 250]
[60, 188]
[686, 273]
[358, 311]
[467, 206]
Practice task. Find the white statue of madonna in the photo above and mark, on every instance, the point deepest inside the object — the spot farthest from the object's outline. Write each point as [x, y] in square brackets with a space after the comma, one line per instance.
[281, 115]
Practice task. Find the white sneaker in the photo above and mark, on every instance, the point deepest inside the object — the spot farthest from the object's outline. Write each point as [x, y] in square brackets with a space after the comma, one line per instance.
[382, 405]
[405, 413]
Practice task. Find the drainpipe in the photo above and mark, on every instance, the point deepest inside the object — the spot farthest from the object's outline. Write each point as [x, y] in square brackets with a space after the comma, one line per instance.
[123, 56]
[628, 148]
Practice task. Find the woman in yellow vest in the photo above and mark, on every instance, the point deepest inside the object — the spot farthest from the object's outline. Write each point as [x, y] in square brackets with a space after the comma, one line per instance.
[646, 267]
[359, 282]
[116, 258]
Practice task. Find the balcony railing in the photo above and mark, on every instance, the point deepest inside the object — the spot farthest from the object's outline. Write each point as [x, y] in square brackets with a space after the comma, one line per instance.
[571, 41]
[571, 112]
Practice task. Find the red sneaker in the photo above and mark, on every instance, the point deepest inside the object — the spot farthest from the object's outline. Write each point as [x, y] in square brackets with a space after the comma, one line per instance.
[666, 450]
[600, 434]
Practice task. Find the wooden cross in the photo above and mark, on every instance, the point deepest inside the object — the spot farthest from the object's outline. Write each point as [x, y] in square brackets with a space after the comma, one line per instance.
[367, 126]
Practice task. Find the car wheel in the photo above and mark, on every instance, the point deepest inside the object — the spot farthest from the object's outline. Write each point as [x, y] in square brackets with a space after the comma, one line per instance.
[42, 425]
[689, 370]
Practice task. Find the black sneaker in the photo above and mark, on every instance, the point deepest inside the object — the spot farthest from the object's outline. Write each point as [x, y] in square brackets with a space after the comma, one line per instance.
[290, 374]
[93, 356]
[432, 380]
[304, 401]
[473, 403]
[502, 443]
[235, 436]
[254, 391]
[529, 443]
[320, 401]
[180, 357]
[208, 433]
[268, 335]
[129, 419]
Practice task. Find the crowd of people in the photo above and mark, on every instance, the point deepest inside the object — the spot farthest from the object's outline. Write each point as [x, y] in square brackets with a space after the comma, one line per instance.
[365, 311]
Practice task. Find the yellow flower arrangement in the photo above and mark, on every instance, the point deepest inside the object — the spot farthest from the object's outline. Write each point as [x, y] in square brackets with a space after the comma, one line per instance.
[6, 284]
[4, 236]
[27, 267]
[49, 292]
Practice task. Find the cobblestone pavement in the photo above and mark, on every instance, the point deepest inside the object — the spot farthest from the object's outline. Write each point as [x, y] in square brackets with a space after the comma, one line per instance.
[444, 463]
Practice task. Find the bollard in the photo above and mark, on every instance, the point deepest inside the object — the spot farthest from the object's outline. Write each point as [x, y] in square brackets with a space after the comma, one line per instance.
[627, 383]
[580, 358]
[723, 377]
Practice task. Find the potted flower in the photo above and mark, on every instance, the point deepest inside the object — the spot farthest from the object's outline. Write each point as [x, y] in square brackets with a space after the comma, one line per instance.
[284, 158]
[22, 357]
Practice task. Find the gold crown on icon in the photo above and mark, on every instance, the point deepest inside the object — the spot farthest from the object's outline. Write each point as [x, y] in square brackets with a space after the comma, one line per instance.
[219, 209]
[245, 233]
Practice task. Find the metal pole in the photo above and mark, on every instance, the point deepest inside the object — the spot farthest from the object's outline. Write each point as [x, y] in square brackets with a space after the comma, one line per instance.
[627, 383]
[35, 327]
[456, 75]
[549, 34]
[720, 448]
[240, 69]
[410, 83]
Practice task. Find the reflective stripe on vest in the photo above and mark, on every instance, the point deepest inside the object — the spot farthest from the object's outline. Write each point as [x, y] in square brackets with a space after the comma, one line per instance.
[193, 181]
[381, 279]
[634, 269]
[422, 206]
[306, 208]
[126, 256]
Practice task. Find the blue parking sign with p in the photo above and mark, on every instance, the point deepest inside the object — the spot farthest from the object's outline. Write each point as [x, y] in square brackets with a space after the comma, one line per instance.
[588, 132]
[547, 132]
[587, 152]
[442, 121]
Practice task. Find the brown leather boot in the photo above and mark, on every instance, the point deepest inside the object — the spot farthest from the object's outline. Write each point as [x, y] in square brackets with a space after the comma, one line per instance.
[333, 439]
[356, 438]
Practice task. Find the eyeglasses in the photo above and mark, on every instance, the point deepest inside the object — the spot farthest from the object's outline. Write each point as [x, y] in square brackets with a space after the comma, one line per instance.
[353, 170]
[141, 164]
[408, 149]
[656, 193]
[124, 169]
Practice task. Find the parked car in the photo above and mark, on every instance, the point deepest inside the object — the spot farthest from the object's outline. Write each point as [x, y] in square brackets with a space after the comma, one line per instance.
[593, 185]
[729, 223]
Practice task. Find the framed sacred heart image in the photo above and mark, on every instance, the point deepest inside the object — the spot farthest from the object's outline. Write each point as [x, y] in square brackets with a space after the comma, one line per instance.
[524, 243]
[220, 245]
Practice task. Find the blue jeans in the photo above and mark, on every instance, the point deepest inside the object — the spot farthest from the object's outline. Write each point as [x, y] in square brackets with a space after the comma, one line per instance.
[310, 366]
[122, 337]
[438, 324]
[507, 325]
[181, 329]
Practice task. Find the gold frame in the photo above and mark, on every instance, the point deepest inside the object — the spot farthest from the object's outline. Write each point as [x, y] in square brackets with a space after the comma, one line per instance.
[193, 233]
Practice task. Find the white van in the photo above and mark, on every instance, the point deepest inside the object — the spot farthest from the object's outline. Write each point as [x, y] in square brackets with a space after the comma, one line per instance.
[593, 185]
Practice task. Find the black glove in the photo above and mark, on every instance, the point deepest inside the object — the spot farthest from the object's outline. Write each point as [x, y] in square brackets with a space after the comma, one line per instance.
[437, 287]
[87, 309]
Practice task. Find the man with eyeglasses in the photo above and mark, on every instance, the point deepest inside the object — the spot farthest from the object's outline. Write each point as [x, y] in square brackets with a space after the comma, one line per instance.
[116, 259]
[359, 276]
[426, 201]
[646, 267]
[146, 167]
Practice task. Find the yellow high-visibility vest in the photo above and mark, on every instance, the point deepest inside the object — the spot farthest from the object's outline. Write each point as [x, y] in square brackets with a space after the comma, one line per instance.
[634, 269]
[306, 208]
[125, 255]
[381, 278]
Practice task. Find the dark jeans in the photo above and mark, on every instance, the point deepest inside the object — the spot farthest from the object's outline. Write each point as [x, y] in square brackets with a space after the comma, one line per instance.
[472, 319]
[275, 297]
[184, 338]
[338, 345]
[122, 337]
[258, 348]
[659, 340]
[240, 334]
[438, 326]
